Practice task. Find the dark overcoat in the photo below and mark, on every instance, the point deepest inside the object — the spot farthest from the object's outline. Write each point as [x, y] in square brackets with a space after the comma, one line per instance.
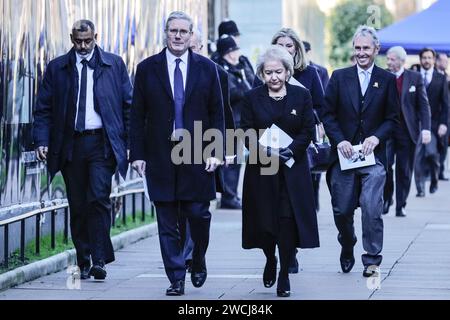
[260, 201]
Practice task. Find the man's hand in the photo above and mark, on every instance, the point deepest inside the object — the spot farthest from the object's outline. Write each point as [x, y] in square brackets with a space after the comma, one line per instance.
[212, 164]
[41, 153]
[229, 160]
[369, 145]
[139, 166]
[346, 149]
[426, 136]
[442, 130]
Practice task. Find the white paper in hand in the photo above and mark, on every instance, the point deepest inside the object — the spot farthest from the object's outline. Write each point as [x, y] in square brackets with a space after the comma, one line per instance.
[276, 138]
[358, 159]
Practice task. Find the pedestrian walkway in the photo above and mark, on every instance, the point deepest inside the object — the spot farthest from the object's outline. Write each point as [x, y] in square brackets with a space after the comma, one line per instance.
[416, 263]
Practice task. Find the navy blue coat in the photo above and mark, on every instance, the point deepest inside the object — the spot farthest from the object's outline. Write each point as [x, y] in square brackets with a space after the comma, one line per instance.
[343, 118]
[152, 117]
[260, 205]
[112, 93]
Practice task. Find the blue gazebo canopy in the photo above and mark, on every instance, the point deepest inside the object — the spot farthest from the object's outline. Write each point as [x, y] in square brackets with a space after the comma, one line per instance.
[428, 28]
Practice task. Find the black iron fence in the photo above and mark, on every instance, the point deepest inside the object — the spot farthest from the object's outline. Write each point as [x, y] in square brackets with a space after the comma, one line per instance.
[118, 200]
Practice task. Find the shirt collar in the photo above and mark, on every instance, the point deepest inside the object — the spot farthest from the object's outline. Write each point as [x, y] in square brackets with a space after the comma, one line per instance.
[171, 58]
[399, 73]
[79, 58]
[429, 71]
[368, 70]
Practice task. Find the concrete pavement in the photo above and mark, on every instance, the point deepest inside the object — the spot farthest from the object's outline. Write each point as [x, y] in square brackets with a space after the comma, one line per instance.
[416, 263]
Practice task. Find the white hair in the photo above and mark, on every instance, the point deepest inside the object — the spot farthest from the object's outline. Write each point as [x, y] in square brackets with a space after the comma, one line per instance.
[399, 52]
[276, 53]
[365, 31]
[179, 15]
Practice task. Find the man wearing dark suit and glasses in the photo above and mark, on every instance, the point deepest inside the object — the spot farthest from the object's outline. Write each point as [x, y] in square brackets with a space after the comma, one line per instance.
[412, 129]
[361, 107]
[80, 128]
[174, 89]
[437, 91]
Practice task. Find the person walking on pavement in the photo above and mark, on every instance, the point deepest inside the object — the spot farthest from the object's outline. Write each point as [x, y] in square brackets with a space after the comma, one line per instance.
[412, 129]
[238, 86]
[174, 91]
[278, 207]
[361, 107]
[437, 91]
[441, 67]
[80, 128]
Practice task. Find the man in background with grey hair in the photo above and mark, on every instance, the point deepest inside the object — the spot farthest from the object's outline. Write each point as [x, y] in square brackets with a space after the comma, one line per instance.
[174, 90]
[361, 107]
[413, 128]
[80, 128]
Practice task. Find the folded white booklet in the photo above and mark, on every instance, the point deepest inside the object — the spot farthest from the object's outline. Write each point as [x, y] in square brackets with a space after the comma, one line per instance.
[358, 159]
[276, 138]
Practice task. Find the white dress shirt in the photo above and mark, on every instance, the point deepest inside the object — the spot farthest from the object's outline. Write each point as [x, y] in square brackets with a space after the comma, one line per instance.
[171, 64]
[399, 73]
[93, 119]
[361, 74]
[429, 73]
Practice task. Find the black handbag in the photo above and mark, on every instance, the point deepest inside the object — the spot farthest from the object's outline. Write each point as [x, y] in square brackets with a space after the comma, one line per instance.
[318, 154]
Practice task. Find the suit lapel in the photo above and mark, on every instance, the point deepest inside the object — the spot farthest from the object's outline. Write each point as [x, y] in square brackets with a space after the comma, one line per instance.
[352, 81]
[405, 86]
[373, 87]
[192, 74]
[163, 73]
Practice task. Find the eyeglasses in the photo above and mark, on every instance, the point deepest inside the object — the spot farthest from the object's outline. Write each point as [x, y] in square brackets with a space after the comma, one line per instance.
[174, 32]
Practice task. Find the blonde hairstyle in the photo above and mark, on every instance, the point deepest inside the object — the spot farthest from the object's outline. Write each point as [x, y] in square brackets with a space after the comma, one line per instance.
[278, 54]
[300, 60]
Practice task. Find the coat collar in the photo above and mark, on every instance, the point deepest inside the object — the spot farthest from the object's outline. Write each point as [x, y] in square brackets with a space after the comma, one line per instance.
[70, 58]
[192, 73]
[374, 85]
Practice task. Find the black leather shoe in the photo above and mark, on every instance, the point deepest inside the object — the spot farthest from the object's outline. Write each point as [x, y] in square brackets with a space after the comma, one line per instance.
[400, 213]
[231, 205]
[420, 194]
[293, 268]
[370, 271]
[442, 177]
[98, 271]
[84, 272]
[347, 260]
[198, 278]
[283, 287]
[433, 188]
[176, 288]
[270, 272]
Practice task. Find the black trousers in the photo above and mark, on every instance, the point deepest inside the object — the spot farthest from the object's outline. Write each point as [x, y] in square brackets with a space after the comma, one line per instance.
[402, 151]
[171, 226]
[88, 179]
[427, 161]
[443, 147]
[231, 181]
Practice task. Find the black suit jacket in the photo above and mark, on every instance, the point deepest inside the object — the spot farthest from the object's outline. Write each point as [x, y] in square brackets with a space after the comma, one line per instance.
[152, 117]
[342, 117]
[57, 98]
[437, 92]
[414, 104]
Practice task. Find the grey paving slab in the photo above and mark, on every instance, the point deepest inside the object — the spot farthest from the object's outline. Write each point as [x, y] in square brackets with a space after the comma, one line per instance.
[416, 263]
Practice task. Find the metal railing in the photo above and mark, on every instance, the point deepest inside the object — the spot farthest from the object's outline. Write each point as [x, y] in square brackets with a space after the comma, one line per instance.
[115, 197]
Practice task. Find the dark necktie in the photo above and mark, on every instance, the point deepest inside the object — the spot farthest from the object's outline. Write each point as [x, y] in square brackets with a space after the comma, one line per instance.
[178, 90]
[80, 125]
